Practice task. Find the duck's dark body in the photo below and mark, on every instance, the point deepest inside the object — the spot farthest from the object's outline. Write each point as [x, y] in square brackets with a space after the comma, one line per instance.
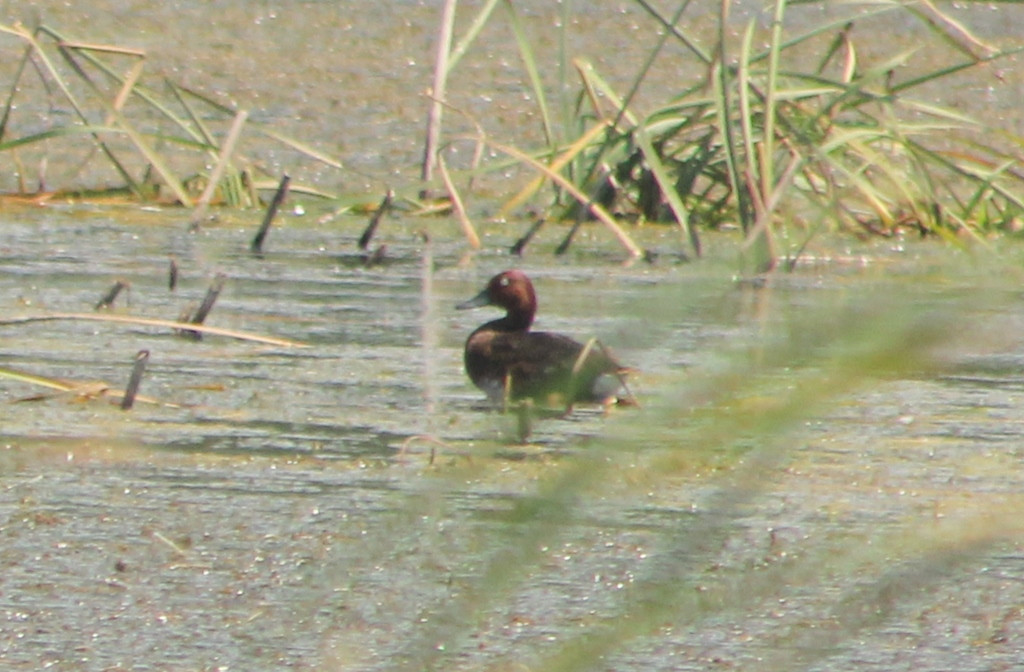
[508, 361]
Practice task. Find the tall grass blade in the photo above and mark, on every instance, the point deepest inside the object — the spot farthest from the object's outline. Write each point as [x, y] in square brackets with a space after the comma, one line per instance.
[299, 146]
[758, 251]
[128, 86]
[32, 379]
[139, 92]
[560, 162]
[171, 180]
[951, 31]
[15, 83]
[183, 94]
[457, 206]
[743, 91]
[437, 91]
[72, 100]
[530, 63]
[196, 126]
[594, 82]
[732, 158]
[60, 132]
[223, 160]
[668, 189]
[152, 322]
[839, 24]
[649, 62]
[774, 54]
[595, 208]
[565, 99]
[483, 15]
[672, 29]
[914, 82]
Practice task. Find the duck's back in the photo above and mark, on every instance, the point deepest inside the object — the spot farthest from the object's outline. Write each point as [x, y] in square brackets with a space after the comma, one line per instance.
[540, 365]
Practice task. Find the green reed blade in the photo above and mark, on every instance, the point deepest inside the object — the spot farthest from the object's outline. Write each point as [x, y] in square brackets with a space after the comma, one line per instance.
[668, 187]
[478, 23]
[52, 70]
[300, 147]
[953, 69]
[530, 63]
[15, 82]
[774, 54]
[195, 124]
[745, 113]
[672, 29]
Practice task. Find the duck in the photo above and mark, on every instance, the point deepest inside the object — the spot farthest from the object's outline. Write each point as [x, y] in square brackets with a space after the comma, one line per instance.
[509, 362]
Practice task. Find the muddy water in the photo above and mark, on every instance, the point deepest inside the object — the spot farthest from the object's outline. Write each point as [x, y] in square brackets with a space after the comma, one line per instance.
[351, 504]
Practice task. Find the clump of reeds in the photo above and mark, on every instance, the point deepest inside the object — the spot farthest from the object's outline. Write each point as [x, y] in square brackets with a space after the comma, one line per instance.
[770, 138]
[158, 143]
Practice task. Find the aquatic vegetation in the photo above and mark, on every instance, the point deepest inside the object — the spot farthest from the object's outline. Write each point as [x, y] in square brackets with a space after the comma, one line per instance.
[784, 135]
[158, 144]
[824, 129]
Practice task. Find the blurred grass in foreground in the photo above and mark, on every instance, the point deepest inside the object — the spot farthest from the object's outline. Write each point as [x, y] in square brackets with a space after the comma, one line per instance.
[729, 434]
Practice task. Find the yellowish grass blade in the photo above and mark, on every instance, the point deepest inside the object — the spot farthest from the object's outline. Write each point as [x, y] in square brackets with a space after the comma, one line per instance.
[571, 152]
[224, 158]
[569, 187]
[151, 322]
[457, 205]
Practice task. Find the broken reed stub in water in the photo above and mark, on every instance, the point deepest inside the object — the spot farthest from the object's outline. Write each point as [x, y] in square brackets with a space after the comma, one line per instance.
[201, 313]
[371, 228]
[563, 247]
[268, 218]
[586, 212]
[519, 245]
[108, 299]
[134, 380]
[172, 274]
[378, 257]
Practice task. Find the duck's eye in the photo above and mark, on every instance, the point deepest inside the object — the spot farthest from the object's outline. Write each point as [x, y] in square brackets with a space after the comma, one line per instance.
[504, 282]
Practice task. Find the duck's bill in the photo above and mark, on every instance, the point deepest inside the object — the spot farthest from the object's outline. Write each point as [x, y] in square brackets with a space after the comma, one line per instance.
[480, 299]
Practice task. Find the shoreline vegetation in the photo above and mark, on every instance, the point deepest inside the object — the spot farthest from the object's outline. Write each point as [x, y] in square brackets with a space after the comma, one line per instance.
[784, 131]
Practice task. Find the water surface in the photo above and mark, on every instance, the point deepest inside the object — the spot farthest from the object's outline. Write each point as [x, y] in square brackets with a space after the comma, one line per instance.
[353, 504]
